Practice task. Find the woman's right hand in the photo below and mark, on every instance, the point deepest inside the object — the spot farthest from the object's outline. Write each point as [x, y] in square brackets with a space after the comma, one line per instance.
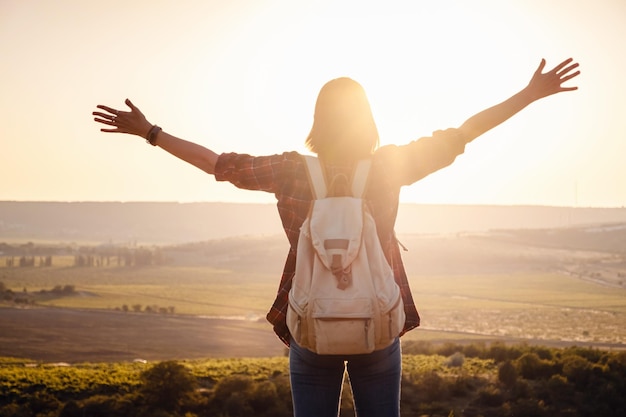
[132, 122]
[545, 84]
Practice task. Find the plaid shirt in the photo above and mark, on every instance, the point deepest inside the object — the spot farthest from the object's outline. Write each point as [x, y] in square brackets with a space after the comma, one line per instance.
[285, 176]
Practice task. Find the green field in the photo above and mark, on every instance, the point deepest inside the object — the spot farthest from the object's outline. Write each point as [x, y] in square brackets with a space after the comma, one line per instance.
[191, 290]
[464, 287]
[542, 306]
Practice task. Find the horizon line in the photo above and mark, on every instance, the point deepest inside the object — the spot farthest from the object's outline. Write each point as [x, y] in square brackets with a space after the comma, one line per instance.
[536, 205]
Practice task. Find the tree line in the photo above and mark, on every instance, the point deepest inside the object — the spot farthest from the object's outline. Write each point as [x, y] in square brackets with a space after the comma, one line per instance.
[31, 255]
[25, 297]
[28, 261]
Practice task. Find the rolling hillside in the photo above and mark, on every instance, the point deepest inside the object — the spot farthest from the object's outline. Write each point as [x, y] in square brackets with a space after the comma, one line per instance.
[167, 223]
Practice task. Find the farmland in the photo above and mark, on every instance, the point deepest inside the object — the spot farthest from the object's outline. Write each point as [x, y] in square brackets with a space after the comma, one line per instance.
[513, 323]
[210, 298]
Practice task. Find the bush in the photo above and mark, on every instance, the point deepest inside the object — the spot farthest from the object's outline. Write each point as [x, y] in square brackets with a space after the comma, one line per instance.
[560, 391]
[263, 396]
[507, 374]
[230, 395]
[42, 402]
[577, 370]
[529, 408]
[456, 360]
[167, 385]
[499, 352]
[237, 405]
[14, 410]
[417, 347]
[474, 350]
[433, 387]
[530, 366]
[543, 352]
[100, 406]
[462, 386]
[489, 397]
[591, 355]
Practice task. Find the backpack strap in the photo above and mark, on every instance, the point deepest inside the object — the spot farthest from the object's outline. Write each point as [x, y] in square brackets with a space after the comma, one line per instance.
[359, 180]
[317, 179]
[316, 176]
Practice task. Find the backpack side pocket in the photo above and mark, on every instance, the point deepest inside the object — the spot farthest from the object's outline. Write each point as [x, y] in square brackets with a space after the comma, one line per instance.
[296, 316]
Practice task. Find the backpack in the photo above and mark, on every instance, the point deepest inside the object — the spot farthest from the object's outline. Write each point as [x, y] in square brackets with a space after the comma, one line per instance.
[343, 299]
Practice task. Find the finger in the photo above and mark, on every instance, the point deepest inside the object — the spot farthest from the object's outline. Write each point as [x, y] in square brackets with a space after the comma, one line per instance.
[133, 108]
[107, 108]
[569, 77]
[541, 66]
[113, 129]
[105, 121]
[568, 69]
[562, 64]
[103, 115]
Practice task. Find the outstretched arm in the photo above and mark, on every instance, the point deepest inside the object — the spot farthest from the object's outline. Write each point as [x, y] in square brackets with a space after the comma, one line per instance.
[135, 123]
[541, 85]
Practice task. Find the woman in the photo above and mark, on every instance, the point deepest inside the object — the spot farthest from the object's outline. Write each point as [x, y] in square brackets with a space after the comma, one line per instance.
[343, 132]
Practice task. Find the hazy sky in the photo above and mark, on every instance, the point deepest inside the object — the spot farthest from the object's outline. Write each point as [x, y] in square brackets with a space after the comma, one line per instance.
[243, 75]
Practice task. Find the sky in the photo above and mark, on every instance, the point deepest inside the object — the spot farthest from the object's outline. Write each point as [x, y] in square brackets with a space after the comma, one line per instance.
[243, 76]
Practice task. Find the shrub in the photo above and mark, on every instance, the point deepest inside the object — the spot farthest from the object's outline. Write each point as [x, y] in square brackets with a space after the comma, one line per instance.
[263, 396]
[577, 370]
[71, 409]
[543, 352]
[237, 405]
[14, 410]
[433, 387]
[489, 397]
[560, 391]
[417, 347]
[449, 349]
[617, 363]
[231, 394]
[167, 385]
[591, 355]
[528, 408]
[475, 350]
[530, 366]
[507, 374]
[461, 386]
[100, 406]
[499, 352]
[456, 360]
[42, 402]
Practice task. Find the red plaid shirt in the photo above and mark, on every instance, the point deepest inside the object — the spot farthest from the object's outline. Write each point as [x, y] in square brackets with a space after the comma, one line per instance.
[285, 176]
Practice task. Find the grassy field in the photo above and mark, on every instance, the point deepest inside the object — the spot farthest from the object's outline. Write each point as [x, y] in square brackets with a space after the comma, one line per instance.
[189, 289]
[465, 288]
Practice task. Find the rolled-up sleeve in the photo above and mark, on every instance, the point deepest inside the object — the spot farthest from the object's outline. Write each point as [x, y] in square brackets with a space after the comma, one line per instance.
[248, 172]
[425, 155]
[263, 173]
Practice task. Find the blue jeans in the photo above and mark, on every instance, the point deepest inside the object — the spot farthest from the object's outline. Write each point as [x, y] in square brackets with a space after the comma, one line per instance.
[316, 382]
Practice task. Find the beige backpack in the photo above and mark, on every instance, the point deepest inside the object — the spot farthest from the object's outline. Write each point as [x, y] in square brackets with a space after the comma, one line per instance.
[344, 299]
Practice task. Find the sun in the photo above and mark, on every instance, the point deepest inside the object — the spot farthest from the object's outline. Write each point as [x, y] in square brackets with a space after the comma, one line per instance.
[424, 67]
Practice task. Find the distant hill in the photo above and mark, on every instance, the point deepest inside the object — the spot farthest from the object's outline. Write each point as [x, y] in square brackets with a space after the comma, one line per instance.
[149, 222]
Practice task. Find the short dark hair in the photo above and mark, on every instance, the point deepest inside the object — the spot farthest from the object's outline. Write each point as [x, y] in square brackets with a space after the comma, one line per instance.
[343, 124]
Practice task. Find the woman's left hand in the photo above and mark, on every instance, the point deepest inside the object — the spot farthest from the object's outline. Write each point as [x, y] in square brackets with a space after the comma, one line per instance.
[132, 122]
